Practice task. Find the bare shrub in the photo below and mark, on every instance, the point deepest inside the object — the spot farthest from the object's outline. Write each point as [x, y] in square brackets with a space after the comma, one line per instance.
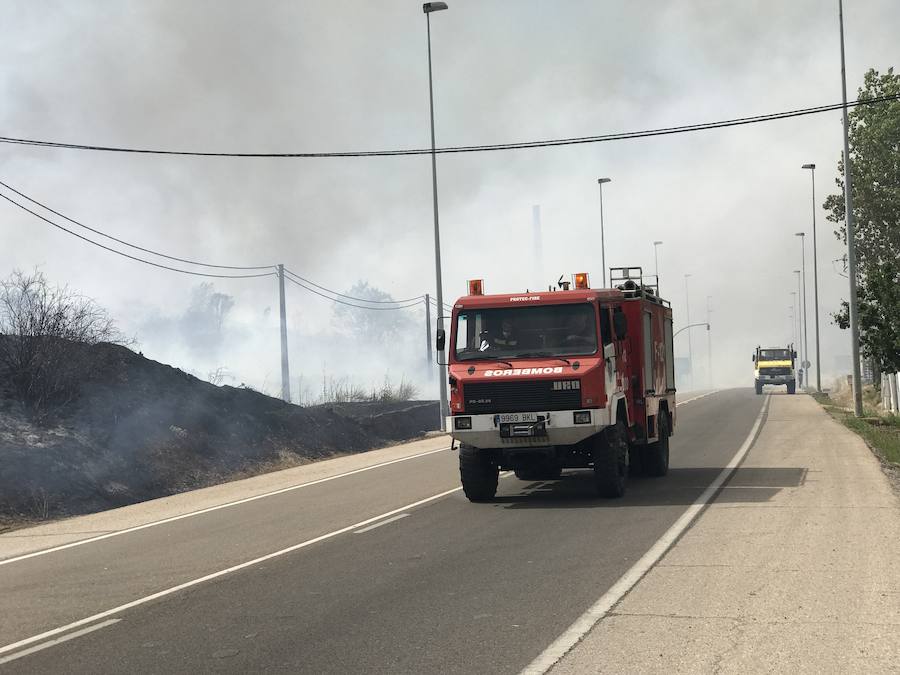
[344, 390]
[218, 376]
[43, 332]
[389, 392]
[40, 504]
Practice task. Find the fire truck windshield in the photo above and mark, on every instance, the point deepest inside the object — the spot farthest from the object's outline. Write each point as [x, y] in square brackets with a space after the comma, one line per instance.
[537, 330]
[774, 355]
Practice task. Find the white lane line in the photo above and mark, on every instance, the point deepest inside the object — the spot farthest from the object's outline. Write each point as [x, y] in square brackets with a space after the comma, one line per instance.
[64, 638]
[220, 573]
[191, 514]
[383, 522]
[709, 393]
[574, 633]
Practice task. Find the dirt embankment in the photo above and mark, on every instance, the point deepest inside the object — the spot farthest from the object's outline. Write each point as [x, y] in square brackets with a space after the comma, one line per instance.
[140, 430]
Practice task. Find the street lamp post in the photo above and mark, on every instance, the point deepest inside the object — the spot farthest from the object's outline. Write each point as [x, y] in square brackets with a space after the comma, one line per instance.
[802, 236]
[691, 325]
[798, 318]
[793, 318]
[708, 344]
[656, 261]
[601, 181]
[812, 168]
[687, 307]
[428, 8]
[851, 235]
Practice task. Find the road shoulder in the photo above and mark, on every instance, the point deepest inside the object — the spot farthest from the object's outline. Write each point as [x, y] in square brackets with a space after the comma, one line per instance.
[793, 567]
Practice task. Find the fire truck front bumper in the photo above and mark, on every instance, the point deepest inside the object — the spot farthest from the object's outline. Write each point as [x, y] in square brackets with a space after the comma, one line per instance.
[527, 430]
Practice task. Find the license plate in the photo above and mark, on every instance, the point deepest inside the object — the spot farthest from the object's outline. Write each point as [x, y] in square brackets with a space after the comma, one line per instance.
[513, 418]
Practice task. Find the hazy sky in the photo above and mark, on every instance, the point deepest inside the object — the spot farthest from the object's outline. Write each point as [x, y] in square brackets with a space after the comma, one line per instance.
[329, 76]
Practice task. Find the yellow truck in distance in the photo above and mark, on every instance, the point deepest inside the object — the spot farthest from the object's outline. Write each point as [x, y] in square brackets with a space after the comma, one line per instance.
[775, 366]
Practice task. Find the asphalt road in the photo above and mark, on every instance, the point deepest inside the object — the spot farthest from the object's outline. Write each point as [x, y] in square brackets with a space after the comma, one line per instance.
[447, 586]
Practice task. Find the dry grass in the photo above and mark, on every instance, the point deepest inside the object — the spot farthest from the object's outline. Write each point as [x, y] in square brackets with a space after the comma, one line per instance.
[880, 431]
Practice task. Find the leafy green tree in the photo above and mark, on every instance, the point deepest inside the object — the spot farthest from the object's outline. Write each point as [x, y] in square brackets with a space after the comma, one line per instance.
[875, 160]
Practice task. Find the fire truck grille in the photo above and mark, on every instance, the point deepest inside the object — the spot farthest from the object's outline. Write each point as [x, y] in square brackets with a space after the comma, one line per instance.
[775, 371]
[497, 397]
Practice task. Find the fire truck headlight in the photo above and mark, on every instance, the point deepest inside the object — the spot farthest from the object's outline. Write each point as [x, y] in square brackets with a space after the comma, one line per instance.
[582, 416]
[462, 422]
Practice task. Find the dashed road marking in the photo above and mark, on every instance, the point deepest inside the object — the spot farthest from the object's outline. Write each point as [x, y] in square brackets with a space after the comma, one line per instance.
[52, 643]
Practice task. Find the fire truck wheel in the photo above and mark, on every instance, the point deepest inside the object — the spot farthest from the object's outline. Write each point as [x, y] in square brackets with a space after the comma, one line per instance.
[611, 461]
[656, 455]
[478, 473]
[792, 387]
[758, 387]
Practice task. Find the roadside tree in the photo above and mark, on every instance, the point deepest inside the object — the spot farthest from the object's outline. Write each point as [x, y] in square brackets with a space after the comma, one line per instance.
[44, 330]
[875, 160]
[374, 327]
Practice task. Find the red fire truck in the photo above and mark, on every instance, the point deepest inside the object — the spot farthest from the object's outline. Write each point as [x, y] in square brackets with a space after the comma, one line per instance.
[568, 378]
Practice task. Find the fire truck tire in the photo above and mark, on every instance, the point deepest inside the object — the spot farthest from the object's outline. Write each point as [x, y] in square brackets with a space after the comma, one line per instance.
[656, 455]
[758, 387]
[478, 473]
[610, 457]
[792, 388]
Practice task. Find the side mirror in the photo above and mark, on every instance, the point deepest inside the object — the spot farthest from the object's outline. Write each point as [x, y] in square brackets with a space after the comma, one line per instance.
[754, 358]
[441, 339]
[620, 324]
[794, 355]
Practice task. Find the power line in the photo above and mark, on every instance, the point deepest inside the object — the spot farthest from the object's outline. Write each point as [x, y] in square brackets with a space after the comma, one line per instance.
[125, 243]
[350, 297]
[170, 257]
[131, 257]
[434, 304]
[349, 304]
[466, 148]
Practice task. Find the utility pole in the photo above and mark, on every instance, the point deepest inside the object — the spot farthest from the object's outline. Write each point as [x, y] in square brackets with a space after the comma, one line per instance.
[285, 371]
[429, 360]
[851, 235]
[806, 363]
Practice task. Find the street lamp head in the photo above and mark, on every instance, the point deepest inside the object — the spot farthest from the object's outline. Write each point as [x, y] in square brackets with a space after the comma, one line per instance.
[430, 7]
[796, 271]
[604, 180]
[657, 243]
[799, 234]
[808, 166]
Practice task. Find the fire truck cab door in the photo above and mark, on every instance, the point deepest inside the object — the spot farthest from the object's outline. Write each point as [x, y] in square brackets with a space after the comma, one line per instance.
[610, 356]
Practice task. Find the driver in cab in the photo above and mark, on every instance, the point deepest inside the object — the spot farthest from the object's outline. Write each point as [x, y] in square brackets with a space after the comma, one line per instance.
[507, 338]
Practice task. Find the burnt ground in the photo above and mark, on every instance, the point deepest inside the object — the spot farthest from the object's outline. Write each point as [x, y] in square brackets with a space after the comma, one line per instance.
[139, 429]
